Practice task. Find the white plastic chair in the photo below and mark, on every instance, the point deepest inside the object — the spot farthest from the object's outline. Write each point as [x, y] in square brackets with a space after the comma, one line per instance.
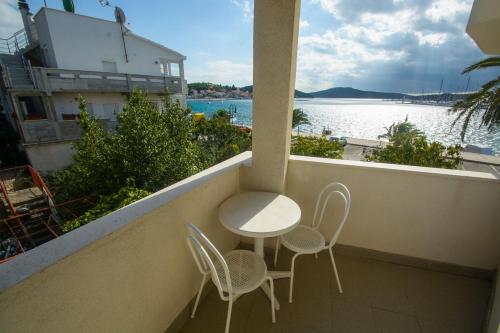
[308, 240]
[235, 273]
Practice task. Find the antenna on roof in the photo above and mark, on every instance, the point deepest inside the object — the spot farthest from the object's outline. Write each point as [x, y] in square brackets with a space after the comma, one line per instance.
[120, 18]
[120, 15]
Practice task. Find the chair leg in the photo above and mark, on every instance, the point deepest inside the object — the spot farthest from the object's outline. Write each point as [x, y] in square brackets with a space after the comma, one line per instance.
[271, 283]
[276, 249]
[292, 271]
[199, 294]
[228, 320]
[335, 271]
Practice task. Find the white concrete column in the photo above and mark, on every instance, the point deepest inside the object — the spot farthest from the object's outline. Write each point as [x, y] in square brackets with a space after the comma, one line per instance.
[183, 82]
[276, 25]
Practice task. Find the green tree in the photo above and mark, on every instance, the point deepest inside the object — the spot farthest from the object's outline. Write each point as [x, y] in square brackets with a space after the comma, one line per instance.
[299, 118]
[318, 147]
[218, 139]
[125, 196]
[409, 146]
[400, 128]
[150, 149]
[484, 103]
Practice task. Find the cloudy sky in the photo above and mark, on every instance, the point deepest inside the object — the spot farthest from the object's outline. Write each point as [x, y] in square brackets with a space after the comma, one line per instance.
[384, 45]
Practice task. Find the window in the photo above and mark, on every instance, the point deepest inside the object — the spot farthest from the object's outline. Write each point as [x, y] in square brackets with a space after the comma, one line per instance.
[109, 66]
[109, 111]
[169, 68]
[32, 107]
[174, 69]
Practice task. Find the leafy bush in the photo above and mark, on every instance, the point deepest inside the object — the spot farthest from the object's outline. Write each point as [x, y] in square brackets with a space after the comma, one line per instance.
[409, 146]
[151, 148]
[318, 147]
[125, 196]
[218, 139]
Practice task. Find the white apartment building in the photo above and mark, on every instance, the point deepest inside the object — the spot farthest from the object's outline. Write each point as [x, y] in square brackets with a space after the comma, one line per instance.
[60, 55]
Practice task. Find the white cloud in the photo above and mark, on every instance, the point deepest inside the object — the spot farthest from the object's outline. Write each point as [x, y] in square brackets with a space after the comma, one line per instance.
[325, 58]
[244, 5]
[10, 20]
[221, 71]
[328, 6]
[399, 43]
[447, 9]
[432, 39]
[304, 24]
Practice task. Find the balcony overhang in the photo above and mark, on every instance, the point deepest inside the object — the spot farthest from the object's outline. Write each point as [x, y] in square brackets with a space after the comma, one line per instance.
[484, 25]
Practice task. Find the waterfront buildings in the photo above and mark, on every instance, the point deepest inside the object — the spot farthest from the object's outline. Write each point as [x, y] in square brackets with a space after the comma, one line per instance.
[60, 55]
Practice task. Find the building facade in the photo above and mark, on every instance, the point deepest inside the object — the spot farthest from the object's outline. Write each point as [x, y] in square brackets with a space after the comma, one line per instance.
[60, 55]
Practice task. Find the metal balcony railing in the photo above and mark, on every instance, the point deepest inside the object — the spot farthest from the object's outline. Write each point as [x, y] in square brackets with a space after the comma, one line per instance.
[14, 43]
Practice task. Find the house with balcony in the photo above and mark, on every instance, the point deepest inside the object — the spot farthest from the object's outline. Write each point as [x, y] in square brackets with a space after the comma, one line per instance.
[419, 251]
[59, 55]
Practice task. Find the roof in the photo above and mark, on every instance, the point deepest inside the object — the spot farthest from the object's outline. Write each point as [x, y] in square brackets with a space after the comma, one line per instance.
[131, 34]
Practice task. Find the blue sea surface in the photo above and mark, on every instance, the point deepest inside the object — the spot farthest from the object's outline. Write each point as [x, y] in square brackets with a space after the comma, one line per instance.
[366, 118]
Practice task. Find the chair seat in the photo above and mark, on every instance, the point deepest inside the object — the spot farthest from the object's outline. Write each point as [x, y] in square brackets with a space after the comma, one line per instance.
[246, 269]
[303, 239]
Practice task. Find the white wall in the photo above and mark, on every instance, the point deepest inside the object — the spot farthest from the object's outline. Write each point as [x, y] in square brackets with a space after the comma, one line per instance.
[50, 157]
[46, 46]
[441, 215]
[82, 43]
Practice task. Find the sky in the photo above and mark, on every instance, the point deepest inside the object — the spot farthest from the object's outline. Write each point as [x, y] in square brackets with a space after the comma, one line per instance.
[384, 45]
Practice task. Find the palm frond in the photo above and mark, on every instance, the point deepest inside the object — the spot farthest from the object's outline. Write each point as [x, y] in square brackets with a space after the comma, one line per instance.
[488, 62]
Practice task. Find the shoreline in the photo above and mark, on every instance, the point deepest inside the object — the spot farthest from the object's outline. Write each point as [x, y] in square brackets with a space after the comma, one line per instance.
[370, 143]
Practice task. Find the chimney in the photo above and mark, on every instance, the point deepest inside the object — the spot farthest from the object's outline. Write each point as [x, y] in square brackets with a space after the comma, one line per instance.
[27, 19]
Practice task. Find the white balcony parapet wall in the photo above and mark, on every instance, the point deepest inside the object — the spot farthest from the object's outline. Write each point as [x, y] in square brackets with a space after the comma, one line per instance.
[51, 80]
[439, 215]
[39, 258]
[131, 271]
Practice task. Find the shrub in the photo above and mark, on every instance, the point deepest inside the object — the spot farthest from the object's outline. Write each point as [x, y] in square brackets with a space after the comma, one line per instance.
[219, 140]
[125, 196]
[410, 147]
[318, 147]
[151, 148]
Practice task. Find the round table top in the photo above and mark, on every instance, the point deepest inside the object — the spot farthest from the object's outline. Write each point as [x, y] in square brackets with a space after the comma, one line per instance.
[259, 214]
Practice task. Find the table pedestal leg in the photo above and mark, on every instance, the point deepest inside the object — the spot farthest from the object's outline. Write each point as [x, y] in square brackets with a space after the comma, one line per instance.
[259, 249]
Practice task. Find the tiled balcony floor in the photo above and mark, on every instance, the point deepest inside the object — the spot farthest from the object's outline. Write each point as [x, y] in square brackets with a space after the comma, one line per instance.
[378, 297]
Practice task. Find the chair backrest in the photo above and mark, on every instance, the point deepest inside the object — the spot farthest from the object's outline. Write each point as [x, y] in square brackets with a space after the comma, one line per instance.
[322, 201]
[207, 257]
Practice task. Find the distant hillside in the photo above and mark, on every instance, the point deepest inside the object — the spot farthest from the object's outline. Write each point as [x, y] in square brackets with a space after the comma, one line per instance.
[348, 92]
[339, 92]
[298, 93]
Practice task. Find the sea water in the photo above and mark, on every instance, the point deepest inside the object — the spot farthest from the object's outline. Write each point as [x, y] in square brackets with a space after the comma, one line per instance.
[366, 118]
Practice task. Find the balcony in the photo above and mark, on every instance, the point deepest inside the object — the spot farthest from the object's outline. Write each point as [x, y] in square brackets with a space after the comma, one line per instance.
[50, 80]
[418, 253]
[419, 250]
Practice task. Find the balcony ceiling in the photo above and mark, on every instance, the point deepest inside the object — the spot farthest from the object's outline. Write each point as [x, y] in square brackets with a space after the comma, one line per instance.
[484, 25]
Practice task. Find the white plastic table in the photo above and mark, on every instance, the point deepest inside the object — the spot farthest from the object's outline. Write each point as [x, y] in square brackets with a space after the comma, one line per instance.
[260, 215]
